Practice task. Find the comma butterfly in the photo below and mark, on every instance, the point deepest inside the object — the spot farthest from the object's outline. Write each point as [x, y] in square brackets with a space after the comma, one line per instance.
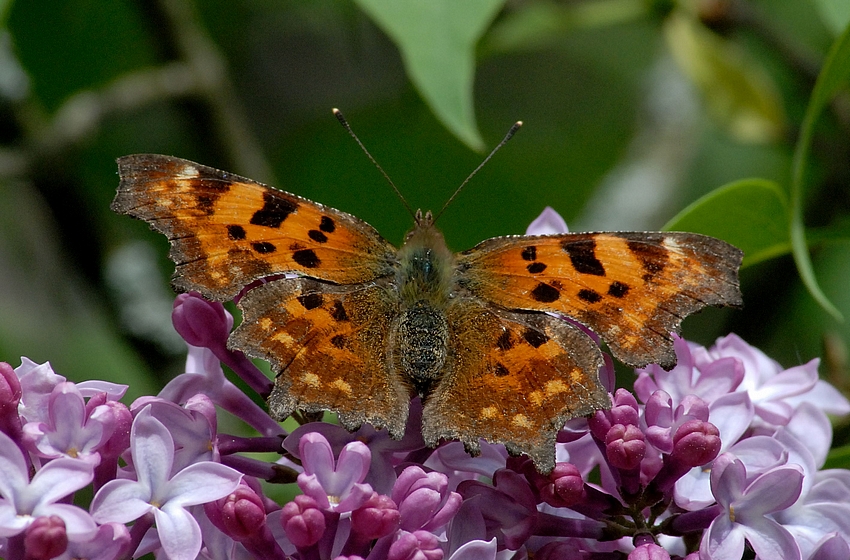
[364, 325]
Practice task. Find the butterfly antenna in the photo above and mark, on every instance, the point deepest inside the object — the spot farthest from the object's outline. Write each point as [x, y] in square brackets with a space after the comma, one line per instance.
[338, 114]
[504, 141]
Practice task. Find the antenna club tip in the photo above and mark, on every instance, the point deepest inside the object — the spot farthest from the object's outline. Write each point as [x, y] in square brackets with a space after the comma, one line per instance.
[335, 111]
[516, 124]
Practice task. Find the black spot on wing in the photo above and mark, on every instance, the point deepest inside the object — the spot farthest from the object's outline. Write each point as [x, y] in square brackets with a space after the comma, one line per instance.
[535, 337]
[306, 258]
[529, 253]
[274, 211]
[235, 232]
[338, 312]
[327, 225]
[536, 267]
[263, 247]
[618, 289]
[499, 370]
[583, 256]
[338, 341]
[311, 301]
[590, 296]
[544, 293]
[317, 236]
[649, 251]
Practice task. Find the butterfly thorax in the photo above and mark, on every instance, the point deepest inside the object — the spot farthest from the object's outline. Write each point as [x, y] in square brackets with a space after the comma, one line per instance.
[424, 277]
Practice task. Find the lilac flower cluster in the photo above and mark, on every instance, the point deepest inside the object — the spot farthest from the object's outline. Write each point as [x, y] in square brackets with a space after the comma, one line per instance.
[721, 453]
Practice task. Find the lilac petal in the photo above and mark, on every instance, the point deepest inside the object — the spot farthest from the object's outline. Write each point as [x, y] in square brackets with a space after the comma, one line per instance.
[316, 454]
[201, 483]
[356, 497]
[58, 478]
[310, 485]
[13, 468]
[723, 540]
[547, 223]
[719, 378]
[732, 414]
[446, 513]
[178, 532]
[37, 382]
[826, 397]
[91, 387]
[831, 547]
[153, 450]
[418, 507]
[455, 458]
[812, 428]
[79, 525]
[10, 522]
[774, 490]
[355, 458]
[770, 540]
[107, 543]
[759, 453]
[476, 550]
[120, 501]
[728, 480]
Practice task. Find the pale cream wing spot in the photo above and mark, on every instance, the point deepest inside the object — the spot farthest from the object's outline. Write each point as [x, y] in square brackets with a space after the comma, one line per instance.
[521, 421]
[489, 412]
[536, 397]
[341, 385]
[555, 387]
[312, 380]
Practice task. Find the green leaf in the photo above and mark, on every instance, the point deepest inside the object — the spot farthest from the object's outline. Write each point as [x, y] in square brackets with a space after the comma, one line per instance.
[833, 76]
[437, 40]
[751, 214]
[739, 93]
[538, 24]
[834, 13]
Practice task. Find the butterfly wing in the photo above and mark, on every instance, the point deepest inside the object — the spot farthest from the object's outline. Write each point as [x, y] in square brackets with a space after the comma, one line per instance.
[512, 378]
[327, 344]
[227, 231]
[633, 289]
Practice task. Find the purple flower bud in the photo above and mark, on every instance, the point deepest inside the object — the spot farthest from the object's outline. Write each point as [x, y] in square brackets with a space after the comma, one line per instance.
[624, 410]
[625, 446]
[122, 421]
[352, 557]
[240, 515]
[419, 545]
[565, 486]
[423, 499]
[10, 397]
[45, 538]
[377, 518]
[649, 551]
[200, 322]
[302, 521]
[696, 443]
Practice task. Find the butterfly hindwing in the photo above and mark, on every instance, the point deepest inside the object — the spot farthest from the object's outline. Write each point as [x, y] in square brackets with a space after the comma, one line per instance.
[512, 378]
[227, 231]
[633, 289]
[327, 344]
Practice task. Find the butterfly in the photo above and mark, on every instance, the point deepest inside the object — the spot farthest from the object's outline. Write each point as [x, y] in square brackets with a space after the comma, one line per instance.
[354, 325]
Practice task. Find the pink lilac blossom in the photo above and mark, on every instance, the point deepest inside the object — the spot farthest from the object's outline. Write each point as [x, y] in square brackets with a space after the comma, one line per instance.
[722, 454]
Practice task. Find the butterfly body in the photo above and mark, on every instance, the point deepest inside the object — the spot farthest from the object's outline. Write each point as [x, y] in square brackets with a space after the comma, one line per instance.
[364, 326]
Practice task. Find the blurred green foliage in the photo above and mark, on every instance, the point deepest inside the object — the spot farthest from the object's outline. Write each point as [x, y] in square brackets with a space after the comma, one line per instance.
[633, 110]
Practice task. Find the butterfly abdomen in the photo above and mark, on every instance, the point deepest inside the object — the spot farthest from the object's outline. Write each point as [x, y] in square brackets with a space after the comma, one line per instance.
[420, 332]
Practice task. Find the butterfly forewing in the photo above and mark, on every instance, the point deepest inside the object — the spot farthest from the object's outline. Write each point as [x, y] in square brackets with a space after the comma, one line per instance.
[227, 231]
[633, 289]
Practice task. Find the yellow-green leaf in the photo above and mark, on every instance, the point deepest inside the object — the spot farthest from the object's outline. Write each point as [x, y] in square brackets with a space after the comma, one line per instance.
[739, 93]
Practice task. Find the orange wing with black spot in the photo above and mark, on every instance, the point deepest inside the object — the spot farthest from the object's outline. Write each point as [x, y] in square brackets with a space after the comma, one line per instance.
[227, 231]
[633, 289]
[513, 378]
[328, 345]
